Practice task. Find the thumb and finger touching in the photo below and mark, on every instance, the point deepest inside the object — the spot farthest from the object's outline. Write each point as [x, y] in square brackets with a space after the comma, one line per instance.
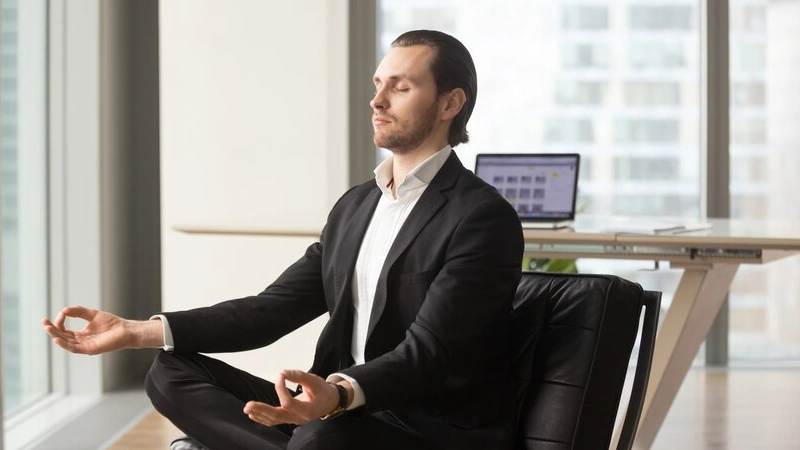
[297, 410]
[92, 339]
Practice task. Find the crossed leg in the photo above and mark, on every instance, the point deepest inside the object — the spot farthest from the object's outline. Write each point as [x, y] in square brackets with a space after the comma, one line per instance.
[204, 397]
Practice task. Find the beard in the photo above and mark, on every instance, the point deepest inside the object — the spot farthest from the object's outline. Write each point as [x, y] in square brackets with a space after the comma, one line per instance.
[403, 141]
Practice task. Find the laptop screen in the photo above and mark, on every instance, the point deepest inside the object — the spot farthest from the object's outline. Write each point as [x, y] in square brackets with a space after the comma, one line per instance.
[541, 186]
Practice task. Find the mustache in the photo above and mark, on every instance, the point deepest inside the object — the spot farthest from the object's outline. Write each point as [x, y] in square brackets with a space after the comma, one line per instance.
[382, 116]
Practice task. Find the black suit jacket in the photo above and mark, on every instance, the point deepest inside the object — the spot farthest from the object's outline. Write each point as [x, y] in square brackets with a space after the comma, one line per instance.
[436, 352]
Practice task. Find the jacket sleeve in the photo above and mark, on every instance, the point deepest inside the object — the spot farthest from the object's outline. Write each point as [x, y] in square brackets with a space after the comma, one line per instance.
[293, 300]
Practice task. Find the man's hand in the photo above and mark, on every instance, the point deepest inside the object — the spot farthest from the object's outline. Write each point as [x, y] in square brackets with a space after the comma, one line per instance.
[104, 332]
[317, 399]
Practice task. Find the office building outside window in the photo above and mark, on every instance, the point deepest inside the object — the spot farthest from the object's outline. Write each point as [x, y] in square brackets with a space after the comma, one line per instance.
[25, 357]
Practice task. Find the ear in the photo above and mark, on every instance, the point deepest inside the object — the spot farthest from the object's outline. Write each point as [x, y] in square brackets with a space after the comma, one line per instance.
[451, 104]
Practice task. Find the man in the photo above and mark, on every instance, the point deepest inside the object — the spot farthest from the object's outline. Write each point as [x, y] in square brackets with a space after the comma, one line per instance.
[417, 271]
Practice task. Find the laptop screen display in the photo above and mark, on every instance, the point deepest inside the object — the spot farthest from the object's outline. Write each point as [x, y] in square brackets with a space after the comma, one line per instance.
[541, 187]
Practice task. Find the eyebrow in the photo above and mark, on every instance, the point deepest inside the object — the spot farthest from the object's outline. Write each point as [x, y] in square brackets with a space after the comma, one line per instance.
[396, 77]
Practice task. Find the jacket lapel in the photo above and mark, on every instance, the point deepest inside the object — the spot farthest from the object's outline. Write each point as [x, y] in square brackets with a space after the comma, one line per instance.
[351, 244]
[341, 321]
[426, 208]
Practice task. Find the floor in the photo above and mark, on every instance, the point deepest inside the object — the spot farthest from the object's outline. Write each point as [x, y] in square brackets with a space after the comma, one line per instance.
[736, 409]
[153, 432]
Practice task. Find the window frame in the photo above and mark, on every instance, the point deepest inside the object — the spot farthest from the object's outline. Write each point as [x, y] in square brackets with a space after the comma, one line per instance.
[79, 397]
[31, 191]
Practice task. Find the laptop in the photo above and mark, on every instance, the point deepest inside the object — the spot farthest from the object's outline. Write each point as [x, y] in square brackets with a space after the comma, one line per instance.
[542, 187]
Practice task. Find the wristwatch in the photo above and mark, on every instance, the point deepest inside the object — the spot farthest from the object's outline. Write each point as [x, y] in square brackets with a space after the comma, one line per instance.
[341, 407]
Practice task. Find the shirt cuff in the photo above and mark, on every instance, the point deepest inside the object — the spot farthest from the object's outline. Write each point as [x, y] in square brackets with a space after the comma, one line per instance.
[358, 393]
[169, 344]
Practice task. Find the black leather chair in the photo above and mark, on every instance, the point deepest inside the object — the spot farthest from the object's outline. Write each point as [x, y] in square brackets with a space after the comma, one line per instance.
[574, 335]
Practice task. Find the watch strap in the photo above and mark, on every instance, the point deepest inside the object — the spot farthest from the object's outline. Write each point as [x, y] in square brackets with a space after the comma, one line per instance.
[341, 407]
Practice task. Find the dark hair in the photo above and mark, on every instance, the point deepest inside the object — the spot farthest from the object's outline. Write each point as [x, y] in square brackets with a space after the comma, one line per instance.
[452, 68]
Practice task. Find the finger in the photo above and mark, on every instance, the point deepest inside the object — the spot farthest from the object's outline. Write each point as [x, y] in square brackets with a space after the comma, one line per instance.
[60, 318]
[296, 376]
[261, 420]
[257, 413]
[269, 415]
[49, 327]
[310, 382]
[66, 340]
[261, 409]
[265, 420]
[283, 393]
[54, 332]
[63, 343]
[80, 312]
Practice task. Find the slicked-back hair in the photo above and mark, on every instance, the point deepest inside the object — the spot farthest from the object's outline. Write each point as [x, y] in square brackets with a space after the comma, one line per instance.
[452, 67]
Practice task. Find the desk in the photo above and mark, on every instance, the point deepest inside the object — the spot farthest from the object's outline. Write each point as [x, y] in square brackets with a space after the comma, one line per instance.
[709, 260]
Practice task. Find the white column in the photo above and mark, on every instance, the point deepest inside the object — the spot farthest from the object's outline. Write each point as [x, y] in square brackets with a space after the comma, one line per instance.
[783, 144]
[253, 131]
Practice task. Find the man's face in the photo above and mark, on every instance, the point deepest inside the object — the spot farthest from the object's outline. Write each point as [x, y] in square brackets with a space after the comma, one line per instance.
[405, 109]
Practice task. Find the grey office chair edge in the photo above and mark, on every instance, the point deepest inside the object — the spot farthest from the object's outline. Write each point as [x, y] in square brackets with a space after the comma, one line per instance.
[652, 304]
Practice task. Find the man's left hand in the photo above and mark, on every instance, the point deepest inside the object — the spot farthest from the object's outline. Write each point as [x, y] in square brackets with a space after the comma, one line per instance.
[317, 399]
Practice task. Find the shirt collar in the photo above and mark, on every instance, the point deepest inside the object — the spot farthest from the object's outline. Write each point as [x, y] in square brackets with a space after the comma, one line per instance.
[419, 176]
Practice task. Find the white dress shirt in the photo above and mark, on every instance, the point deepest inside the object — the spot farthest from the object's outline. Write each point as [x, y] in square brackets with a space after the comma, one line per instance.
[389, 217]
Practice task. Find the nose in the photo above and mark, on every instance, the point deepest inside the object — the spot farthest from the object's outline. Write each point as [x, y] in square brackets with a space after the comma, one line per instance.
[378, 100]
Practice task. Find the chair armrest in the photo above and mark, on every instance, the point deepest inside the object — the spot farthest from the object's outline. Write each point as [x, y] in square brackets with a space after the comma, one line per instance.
[652, 305]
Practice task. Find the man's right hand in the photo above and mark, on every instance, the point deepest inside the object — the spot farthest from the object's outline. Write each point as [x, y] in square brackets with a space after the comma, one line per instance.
[104, 332]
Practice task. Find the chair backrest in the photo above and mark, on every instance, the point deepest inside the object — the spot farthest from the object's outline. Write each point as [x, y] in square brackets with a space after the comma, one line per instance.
[573, 337]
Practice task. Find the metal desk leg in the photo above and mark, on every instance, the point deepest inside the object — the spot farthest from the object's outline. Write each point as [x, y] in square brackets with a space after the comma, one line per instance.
[700, 293]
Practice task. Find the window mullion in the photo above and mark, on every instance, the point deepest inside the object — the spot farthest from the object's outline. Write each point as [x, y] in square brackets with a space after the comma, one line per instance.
[715, 145]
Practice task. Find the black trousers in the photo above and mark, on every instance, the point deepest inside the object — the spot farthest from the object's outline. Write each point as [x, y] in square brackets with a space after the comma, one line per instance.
[205, 399]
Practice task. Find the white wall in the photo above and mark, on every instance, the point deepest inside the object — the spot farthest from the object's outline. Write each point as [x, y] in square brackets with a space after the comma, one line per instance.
[253, 131]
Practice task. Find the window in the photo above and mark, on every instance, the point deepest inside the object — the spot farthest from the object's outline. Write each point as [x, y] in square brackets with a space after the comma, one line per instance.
[749, 168]
[748, 56]
[585, 55]
[576, 92]
[748, 93]
[748, 131]
[585, 17]
[613, 80]
[657, 55]
[24, 280]
[765, 155]
[568, 130]
[658, 131]
[747, 18]
[658, 206]
[619, 82]
[656, 168]
[652, 93]
[662, 17]
[54, 186]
